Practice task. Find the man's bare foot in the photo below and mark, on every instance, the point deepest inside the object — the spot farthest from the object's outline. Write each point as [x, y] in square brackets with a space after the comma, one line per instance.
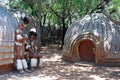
[22, 72]
[28, 71]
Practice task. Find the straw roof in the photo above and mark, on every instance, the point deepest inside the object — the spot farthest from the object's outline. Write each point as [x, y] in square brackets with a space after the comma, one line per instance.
[100, 27]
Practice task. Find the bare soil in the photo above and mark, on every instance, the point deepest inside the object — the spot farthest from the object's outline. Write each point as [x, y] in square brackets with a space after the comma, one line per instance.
[54, 68]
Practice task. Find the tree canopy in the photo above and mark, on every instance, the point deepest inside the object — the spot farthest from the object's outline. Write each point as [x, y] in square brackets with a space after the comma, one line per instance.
[53, 17]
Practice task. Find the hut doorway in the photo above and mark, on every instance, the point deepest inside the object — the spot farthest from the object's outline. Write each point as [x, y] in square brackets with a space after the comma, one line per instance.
[86, 52]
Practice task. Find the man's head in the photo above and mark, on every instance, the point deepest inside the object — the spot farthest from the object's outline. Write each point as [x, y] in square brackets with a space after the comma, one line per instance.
[26, 20]
[21, 25]
[32, 35]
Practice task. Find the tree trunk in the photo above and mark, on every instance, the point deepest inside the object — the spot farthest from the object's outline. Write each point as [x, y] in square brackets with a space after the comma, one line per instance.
[39, 24]
[63, 31]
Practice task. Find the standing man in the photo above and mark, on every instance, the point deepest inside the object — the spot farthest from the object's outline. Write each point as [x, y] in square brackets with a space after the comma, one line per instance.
[21, 64]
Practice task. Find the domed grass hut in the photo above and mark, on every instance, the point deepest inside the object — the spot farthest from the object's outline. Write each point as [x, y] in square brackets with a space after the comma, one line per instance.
[8, 23]
[94, 38]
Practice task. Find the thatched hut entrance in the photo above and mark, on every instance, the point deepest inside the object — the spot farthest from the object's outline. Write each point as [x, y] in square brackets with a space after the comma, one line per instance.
[86, 51]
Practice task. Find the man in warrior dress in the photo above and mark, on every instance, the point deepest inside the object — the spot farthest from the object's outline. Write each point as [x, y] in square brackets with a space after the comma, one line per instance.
[21, 64]
[34, 58]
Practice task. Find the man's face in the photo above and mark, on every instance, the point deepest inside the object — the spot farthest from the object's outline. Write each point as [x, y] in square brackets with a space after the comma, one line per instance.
[32, 37]
[21, 26]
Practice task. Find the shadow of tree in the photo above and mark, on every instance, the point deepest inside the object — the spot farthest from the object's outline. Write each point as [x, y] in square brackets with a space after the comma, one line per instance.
[54, 68]
[81, 72]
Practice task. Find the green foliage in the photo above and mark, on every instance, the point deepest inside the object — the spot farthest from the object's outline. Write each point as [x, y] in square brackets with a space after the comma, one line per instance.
[77, 8]
[62, 12]
[114, 9]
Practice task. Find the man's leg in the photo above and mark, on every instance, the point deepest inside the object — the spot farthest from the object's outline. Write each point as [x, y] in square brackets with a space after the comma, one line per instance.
[17, 48]
[39, 60]
[32, 61]
[19, 65]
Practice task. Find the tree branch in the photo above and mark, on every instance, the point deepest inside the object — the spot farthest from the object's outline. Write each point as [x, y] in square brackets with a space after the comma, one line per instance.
[56, 13]
[113, 20]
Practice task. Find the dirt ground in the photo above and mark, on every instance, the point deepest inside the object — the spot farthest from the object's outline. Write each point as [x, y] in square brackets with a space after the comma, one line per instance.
[54, 68]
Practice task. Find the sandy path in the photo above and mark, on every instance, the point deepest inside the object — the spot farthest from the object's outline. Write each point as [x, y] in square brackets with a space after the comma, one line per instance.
[56, 69]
